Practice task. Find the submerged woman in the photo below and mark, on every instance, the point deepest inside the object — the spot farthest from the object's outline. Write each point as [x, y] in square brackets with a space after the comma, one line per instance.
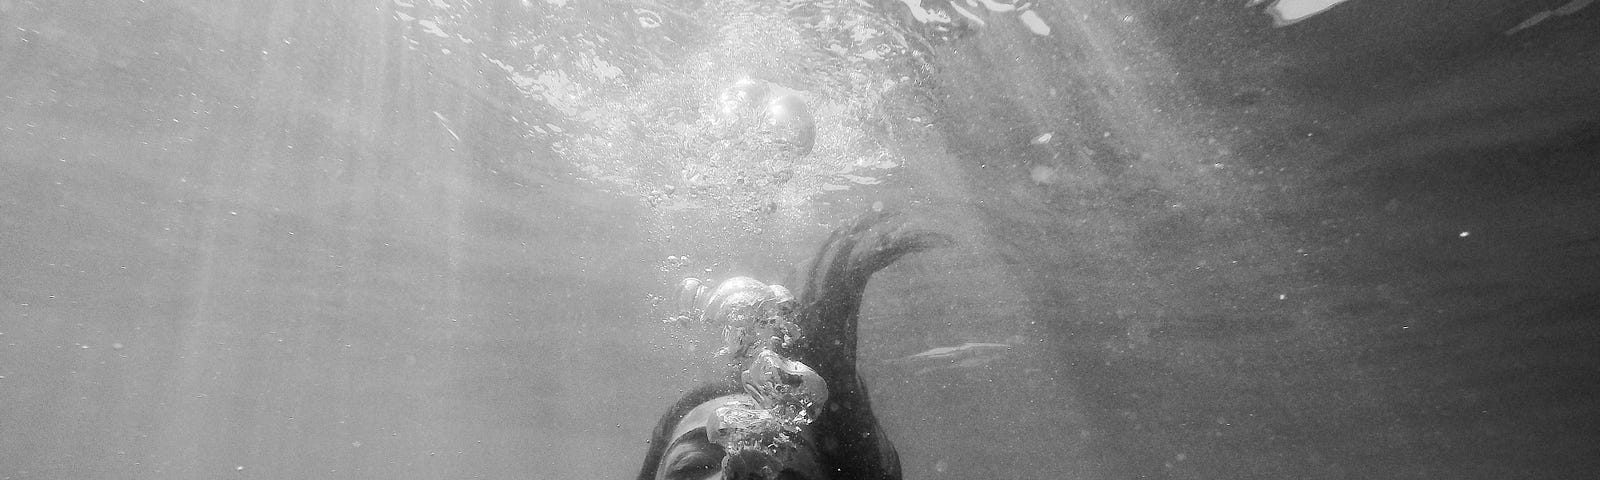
[798, 410]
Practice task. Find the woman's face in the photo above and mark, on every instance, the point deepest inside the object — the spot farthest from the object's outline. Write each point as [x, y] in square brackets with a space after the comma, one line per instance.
[692, 456]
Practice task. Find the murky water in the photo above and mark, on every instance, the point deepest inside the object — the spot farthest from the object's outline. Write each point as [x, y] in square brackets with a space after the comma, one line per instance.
[439, 239]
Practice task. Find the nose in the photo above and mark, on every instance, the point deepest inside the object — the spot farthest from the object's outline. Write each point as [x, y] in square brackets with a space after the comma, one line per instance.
[750, 465]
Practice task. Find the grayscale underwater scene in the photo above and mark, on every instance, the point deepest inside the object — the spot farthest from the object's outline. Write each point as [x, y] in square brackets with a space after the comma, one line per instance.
[799, 239]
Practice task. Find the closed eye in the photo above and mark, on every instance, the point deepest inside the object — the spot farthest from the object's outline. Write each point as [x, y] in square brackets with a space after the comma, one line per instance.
[692, 457]
[694, 465]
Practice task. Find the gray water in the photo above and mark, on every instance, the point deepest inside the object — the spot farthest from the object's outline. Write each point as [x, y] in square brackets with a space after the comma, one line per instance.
[433, 238]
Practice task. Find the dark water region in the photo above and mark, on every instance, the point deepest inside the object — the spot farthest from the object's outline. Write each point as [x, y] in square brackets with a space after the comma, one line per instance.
[423, 239]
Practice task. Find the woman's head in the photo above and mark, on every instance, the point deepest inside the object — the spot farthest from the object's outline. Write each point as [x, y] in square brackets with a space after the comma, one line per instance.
[683, 448]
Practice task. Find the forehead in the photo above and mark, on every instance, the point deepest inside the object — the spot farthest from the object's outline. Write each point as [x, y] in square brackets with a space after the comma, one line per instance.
[702, 413]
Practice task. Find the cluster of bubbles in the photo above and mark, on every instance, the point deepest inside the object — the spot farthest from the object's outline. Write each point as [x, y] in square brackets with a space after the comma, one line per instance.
[757, 321]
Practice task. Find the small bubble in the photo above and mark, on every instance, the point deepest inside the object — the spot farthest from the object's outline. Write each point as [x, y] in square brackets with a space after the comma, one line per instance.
[1464, 234]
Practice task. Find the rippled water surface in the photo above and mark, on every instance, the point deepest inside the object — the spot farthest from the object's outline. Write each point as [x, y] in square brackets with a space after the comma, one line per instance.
[440, 238]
